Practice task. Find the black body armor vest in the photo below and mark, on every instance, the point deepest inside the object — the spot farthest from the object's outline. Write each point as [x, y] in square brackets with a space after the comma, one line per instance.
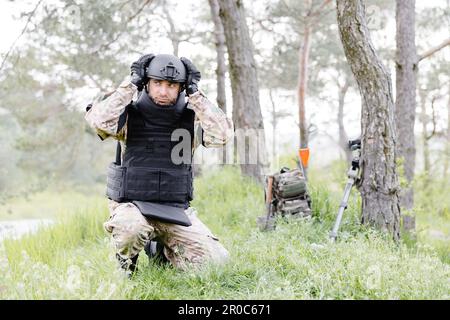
[148, 172]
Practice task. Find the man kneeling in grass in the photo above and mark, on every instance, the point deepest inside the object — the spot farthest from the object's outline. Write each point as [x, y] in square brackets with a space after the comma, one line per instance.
[150, 185]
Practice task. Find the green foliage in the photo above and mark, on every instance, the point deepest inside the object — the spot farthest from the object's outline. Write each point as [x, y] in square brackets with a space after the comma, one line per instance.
[72, 259]
[432, 211]
[403, 182]
[227, 200]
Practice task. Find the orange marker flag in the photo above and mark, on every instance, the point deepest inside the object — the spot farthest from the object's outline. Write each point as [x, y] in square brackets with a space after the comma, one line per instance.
[304, 156]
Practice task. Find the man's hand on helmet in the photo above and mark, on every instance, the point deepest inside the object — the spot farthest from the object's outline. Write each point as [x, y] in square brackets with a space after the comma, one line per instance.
[193, 76]
[138, 67]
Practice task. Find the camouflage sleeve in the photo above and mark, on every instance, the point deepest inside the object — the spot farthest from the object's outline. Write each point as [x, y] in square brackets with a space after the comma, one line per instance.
[212, 127]
[104, 115]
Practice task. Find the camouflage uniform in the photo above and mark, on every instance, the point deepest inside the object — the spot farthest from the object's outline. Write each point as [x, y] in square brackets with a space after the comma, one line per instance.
[130, 229]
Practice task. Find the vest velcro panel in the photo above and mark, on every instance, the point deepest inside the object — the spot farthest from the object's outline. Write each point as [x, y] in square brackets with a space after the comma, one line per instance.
[148, 184]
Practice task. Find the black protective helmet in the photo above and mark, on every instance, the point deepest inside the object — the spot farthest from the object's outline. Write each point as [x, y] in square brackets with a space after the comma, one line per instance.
[167, 67]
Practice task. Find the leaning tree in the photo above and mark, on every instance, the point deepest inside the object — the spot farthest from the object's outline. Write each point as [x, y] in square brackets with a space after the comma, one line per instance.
[379, 181]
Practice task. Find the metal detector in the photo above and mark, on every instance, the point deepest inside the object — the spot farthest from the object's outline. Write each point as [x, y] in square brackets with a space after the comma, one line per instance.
[353, 173]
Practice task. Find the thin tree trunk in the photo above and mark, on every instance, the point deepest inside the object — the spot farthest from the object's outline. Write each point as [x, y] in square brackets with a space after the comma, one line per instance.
[244, 83]
[274, 124]
[302, 84]
[173, 34]
[424, 122]
[220, 49]
[309, 21]
[379, 182]
[405, 103]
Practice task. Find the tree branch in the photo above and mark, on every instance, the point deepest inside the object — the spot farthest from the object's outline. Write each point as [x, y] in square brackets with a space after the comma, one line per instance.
[319, 10]
[432, 51]
[124, 4]
[433, 118]
[266, 28]
[96, 83]
[31, 14]
[106, 45]
[139, 11]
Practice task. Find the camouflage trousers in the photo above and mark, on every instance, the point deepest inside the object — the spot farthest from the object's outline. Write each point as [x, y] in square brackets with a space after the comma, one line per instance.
[183, 246]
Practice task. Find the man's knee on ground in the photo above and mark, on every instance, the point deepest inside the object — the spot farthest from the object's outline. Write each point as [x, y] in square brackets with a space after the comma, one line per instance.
[131, 240]
[215, 253]
[220, 256]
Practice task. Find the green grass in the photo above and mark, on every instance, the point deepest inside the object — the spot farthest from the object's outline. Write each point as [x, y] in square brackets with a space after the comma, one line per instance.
[73, 259]
[432, 210]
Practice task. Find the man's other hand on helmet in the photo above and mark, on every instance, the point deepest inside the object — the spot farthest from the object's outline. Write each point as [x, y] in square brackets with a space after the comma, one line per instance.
[193, 76]
[138, 71]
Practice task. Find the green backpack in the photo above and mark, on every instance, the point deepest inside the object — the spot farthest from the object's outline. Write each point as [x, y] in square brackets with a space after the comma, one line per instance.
[286, 195]
[291, 193]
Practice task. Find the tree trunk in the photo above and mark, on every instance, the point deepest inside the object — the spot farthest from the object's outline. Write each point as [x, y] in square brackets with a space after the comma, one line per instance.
[221, 49]
[302, 84]
[244, 84]
[274, 125]
[309, 21]
[343, 138]
[221, 66]
[173, 34]
[379, 182]
[405, 103]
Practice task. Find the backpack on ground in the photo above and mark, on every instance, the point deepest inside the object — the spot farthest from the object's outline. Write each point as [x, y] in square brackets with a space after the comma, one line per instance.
[286, 196]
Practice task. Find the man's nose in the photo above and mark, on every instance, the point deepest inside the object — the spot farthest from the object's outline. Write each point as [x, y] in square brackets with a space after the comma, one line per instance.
[163, 90]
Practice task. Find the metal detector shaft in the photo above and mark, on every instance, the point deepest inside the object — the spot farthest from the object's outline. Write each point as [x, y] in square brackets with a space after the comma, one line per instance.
[352, 174]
